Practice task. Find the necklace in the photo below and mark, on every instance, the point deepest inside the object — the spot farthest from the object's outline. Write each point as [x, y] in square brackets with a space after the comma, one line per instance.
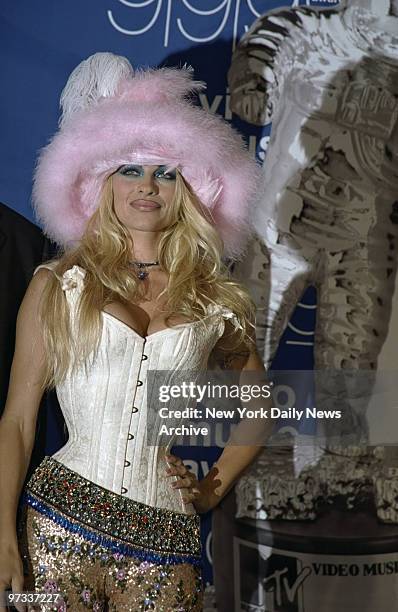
[141, 265]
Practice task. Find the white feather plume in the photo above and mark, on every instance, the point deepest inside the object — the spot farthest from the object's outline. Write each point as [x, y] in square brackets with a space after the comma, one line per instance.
[96, 77]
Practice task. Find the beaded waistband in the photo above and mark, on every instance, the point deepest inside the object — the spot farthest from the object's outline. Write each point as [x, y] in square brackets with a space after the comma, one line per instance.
[116, 522]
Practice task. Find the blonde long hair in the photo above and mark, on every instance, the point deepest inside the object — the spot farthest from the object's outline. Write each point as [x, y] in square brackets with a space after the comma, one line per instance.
[189, 251]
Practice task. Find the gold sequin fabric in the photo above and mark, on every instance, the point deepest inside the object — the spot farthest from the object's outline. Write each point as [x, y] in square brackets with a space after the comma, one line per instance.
[100, 554]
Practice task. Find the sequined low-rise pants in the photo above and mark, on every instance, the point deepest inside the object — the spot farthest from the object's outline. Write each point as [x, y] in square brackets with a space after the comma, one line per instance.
[103, 551]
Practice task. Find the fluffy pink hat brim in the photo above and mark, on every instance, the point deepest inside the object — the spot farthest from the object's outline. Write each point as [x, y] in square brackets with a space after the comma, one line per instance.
[211, 156]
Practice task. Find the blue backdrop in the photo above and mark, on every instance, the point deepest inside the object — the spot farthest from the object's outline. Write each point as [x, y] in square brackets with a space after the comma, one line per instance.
[42, 41]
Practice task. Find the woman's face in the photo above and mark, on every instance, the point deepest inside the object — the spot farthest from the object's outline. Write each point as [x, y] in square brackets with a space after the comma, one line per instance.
[143, 195]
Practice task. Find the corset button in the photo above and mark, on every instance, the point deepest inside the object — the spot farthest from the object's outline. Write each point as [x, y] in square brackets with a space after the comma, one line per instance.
[139, 383]
[126, 463]
[134, 409]
[124, 490]
[144, 357]
[131, 436]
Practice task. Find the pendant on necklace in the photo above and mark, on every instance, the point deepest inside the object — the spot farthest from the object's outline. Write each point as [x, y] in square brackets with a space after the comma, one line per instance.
[142, 273]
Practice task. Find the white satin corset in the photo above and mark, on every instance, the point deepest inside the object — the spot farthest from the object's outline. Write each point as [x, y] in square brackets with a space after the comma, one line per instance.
[104, 405]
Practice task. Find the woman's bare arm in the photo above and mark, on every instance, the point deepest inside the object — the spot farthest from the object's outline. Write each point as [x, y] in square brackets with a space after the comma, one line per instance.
[246, 441]
[237, 454]
[18, 423]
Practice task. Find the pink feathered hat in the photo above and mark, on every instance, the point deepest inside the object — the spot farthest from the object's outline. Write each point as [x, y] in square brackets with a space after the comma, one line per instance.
[113, 115]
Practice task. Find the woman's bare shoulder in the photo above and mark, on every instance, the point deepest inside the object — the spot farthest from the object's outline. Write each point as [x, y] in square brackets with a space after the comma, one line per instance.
[35, 289]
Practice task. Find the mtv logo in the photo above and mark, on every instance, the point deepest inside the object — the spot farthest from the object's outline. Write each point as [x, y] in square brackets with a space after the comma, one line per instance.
[266, 579]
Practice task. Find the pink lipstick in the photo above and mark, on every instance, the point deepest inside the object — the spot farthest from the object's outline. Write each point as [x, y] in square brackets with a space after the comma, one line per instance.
[145, 205]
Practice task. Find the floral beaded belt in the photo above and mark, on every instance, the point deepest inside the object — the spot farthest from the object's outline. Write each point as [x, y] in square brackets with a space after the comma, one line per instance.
[114, 521]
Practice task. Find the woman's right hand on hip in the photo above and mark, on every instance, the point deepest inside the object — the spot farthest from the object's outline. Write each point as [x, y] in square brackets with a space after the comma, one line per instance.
[11, 574]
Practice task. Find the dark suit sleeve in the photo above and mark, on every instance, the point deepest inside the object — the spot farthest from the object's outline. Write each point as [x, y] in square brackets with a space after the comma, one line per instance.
[22, 248]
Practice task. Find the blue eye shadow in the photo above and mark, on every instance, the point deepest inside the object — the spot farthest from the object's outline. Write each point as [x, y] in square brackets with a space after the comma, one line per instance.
[131, 170]
[162, 172]
[134, 170]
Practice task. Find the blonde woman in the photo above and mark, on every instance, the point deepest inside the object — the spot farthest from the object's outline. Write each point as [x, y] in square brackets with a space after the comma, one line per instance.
[146, 193]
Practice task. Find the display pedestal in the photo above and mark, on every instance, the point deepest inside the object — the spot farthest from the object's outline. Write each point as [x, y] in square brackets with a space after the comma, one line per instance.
[344, 561]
